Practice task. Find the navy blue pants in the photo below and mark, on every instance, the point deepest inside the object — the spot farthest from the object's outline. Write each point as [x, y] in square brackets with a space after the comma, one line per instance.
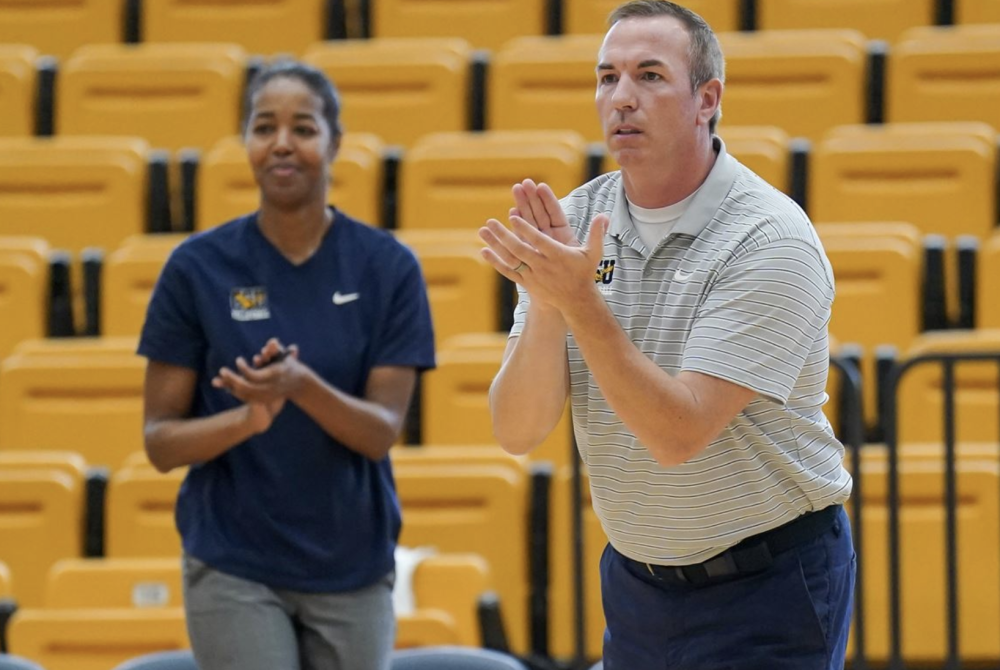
[795, 615]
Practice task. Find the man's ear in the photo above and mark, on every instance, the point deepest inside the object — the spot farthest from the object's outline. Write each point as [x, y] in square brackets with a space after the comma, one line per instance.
[710, 98]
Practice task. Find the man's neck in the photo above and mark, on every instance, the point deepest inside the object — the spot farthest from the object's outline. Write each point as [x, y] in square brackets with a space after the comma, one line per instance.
[660, 185]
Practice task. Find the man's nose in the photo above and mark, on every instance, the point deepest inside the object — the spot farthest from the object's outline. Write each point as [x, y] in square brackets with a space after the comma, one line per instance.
[624, 94]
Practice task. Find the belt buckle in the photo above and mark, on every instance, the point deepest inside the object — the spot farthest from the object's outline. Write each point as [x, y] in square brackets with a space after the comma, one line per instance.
[666, 573]
[723, 565]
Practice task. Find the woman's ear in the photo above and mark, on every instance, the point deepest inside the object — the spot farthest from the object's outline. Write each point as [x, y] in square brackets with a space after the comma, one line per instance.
[335, 145]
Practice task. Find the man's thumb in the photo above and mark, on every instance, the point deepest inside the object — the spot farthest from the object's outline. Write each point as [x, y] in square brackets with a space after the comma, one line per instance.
[595, 236]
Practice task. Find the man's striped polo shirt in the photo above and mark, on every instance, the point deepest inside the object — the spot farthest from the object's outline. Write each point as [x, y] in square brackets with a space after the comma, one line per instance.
[741, 290]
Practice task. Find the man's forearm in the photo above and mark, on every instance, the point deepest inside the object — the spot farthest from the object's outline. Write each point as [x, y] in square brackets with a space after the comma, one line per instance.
[669, 417]
[529, 393]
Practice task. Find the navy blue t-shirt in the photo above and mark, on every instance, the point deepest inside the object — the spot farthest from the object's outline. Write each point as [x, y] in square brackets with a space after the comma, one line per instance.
[290, 508]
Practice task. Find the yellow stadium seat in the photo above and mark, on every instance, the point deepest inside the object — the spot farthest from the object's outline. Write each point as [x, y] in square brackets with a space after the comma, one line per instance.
[885, 19]
[69, 463]
[75, 192]
[763, 149]
[24, 277]
[137, 459]
[226, 187]
[837, 231]
[459, 180]
[920, 400]
[82, 395]
[455, 399]
[545, 83]
[977, 11]
[18, 81]
[453, 583]
[591, 16]
[877, 270]
[59, 28]
[938, 176]
[94, 638]
[563, 605]
[486, 24]
[933, 452]
[127, 280]
[922, 560]
[140, 513]
[114, 583]
[426, 628]
[472, 508]
[455, 454]
[988, 284]
[424, 80]
[834, 383]
[41, 522]
[461, 286]
[945, 74]
[282, 26]
[803, 81]
[173, 95]
[5, 581]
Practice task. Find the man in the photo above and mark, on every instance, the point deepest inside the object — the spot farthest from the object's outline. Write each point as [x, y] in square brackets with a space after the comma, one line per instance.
[695, 359]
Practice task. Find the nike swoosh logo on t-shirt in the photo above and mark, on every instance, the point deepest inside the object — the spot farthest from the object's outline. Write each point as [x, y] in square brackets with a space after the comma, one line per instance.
[344, 298]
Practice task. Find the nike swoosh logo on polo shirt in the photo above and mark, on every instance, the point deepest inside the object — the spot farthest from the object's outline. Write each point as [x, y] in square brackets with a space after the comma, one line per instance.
[344, 298]
[682, 276]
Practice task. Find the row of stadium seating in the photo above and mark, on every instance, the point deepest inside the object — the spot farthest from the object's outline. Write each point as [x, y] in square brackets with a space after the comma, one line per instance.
[287, 25]
[885, 269]
[474, 500]
[880, 268]
[85, 395]
[480, 503]
[805, 82]
[99, 190]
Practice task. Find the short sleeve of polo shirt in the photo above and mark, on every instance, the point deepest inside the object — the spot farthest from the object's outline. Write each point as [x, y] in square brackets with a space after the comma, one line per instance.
[408, 337]
[172, 332]
[762, 317]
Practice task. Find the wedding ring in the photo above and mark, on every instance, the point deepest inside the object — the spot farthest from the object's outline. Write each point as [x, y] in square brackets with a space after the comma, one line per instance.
[520, 266]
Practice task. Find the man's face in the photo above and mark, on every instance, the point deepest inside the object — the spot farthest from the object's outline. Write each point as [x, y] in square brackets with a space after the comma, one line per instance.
[647, 108]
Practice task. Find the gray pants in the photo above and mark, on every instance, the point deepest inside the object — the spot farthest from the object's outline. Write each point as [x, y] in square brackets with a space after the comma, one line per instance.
[235, 624]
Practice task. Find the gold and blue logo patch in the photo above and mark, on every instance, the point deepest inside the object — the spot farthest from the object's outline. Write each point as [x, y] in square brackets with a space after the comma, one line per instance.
[605, 272]
[249, 303]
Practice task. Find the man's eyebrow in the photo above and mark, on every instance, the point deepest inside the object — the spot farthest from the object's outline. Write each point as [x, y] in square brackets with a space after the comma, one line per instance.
[651, 62]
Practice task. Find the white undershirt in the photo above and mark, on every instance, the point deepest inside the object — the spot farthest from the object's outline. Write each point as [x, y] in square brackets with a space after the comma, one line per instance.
[653, 225]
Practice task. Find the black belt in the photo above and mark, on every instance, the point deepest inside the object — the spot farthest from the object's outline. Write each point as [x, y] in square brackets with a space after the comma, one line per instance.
[754, 554]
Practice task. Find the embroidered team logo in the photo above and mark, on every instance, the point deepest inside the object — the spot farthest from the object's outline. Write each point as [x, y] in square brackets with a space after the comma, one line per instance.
[249, 303]
[602, 277]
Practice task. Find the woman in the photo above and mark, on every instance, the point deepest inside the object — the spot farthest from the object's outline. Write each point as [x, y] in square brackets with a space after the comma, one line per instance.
[288, 514]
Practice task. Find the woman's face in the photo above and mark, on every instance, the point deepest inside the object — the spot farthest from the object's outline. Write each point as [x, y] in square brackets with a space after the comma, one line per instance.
[289, 144]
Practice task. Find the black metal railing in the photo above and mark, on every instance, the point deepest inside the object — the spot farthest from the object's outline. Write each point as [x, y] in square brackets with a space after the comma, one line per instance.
[948, 361]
